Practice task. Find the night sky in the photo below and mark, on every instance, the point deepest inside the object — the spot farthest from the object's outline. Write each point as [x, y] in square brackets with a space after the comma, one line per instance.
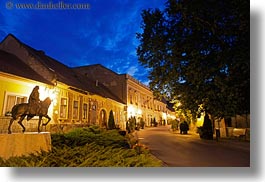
[104, 33]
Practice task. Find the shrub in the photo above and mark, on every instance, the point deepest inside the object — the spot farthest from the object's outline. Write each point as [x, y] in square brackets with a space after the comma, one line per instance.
[174, 125]
[184, 127]
[122, 132]
[142, 123]
[206, 131]
[155, 123]
[131, 124]
[82, 136]
[111, 122]
[87, 147]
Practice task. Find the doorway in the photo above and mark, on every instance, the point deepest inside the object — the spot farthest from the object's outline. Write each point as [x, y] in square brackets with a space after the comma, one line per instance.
[103, 118]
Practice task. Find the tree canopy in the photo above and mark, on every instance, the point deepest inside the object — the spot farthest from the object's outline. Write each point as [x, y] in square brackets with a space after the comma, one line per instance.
[198, 52]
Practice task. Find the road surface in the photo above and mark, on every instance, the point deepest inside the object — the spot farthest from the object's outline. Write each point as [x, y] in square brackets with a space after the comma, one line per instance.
[177, 150]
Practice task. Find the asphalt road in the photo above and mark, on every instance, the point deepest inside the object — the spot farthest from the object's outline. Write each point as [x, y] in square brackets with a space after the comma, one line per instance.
[177, 150]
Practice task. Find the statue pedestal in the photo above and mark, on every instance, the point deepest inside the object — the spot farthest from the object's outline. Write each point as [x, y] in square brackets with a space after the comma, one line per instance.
[18, 144]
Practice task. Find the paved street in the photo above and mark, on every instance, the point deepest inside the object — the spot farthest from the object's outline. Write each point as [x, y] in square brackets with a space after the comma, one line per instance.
[177, 150]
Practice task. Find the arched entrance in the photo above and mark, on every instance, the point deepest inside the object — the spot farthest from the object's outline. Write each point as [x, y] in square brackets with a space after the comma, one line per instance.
[103, 118]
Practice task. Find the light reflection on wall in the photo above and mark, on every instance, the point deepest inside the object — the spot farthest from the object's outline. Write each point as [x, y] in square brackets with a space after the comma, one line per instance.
[49, 92]
[133, 111]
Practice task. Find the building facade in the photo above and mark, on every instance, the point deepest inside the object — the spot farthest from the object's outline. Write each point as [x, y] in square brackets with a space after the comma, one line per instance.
[138, 98]
[77, 101]
[80, 96]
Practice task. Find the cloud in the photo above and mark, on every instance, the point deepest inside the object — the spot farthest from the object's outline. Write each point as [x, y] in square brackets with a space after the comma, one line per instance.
[104, 34]
[12, 21]
[132, 70]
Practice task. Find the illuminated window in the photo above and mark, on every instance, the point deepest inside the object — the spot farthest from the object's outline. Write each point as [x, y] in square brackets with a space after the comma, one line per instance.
[131, 99]
[63, 108]
[136, 98]
[11, 100]
[75, 110]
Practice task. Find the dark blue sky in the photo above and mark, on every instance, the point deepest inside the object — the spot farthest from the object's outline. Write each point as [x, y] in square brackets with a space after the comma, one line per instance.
[104, 33]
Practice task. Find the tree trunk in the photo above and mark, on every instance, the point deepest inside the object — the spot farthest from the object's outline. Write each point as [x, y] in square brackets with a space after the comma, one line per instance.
[247, 120]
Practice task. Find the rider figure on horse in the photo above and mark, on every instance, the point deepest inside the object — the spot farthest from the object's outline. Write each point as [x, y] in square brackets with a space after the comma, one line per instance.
[34, 101]
[34, 107]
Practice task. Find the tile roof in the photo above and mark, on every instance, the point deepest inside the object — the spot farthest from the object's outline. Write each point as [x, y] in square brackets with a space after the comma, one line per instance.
[11, 64]
[69, 76]
[72, 78]
[96, 66]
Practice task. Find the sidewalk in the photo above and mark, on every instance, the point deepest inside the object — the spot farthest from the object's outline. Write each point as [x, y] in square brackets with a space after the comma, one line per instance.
[181, 150]
[232, 142]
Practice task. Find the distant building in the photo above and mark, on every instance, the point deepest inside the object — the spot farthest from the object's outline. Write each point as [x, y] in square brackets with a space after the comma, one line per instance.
[138, 98]
[82, 96]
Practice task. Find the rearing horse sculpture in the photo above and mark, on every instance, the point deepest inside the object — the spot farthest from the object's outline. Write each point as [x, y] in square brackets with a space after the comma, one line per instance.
[21, 110]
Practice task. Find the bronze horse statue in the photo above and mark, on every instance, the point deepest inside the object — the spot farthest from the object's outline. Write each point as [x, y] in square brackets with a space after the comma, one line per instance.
[22, 110]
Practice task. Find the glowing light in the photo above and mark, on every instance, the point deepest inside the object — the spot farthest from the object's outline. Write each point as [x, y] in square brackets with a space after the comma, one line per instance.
[173, 117]
[43, 93]
[47, 92]
[164, 116]
[131, 111]
[53, 95]
[200, 121]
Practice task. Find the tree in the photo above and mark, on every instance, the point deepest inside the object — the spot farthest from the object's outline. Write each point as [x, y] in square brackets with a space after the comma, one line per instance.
[197, 52]
[142, 123]
[206, 131]
[111, 122]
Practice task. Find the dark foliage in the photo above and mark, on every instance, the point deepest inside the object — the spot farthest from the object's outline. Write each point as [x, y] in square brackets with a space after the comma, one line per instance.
[154, 123]
[184, 127]
[80, 137]
[142, 123]
[131, 124]
[206, 131]
[111, 122]
[94, 147]
[199, 53]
